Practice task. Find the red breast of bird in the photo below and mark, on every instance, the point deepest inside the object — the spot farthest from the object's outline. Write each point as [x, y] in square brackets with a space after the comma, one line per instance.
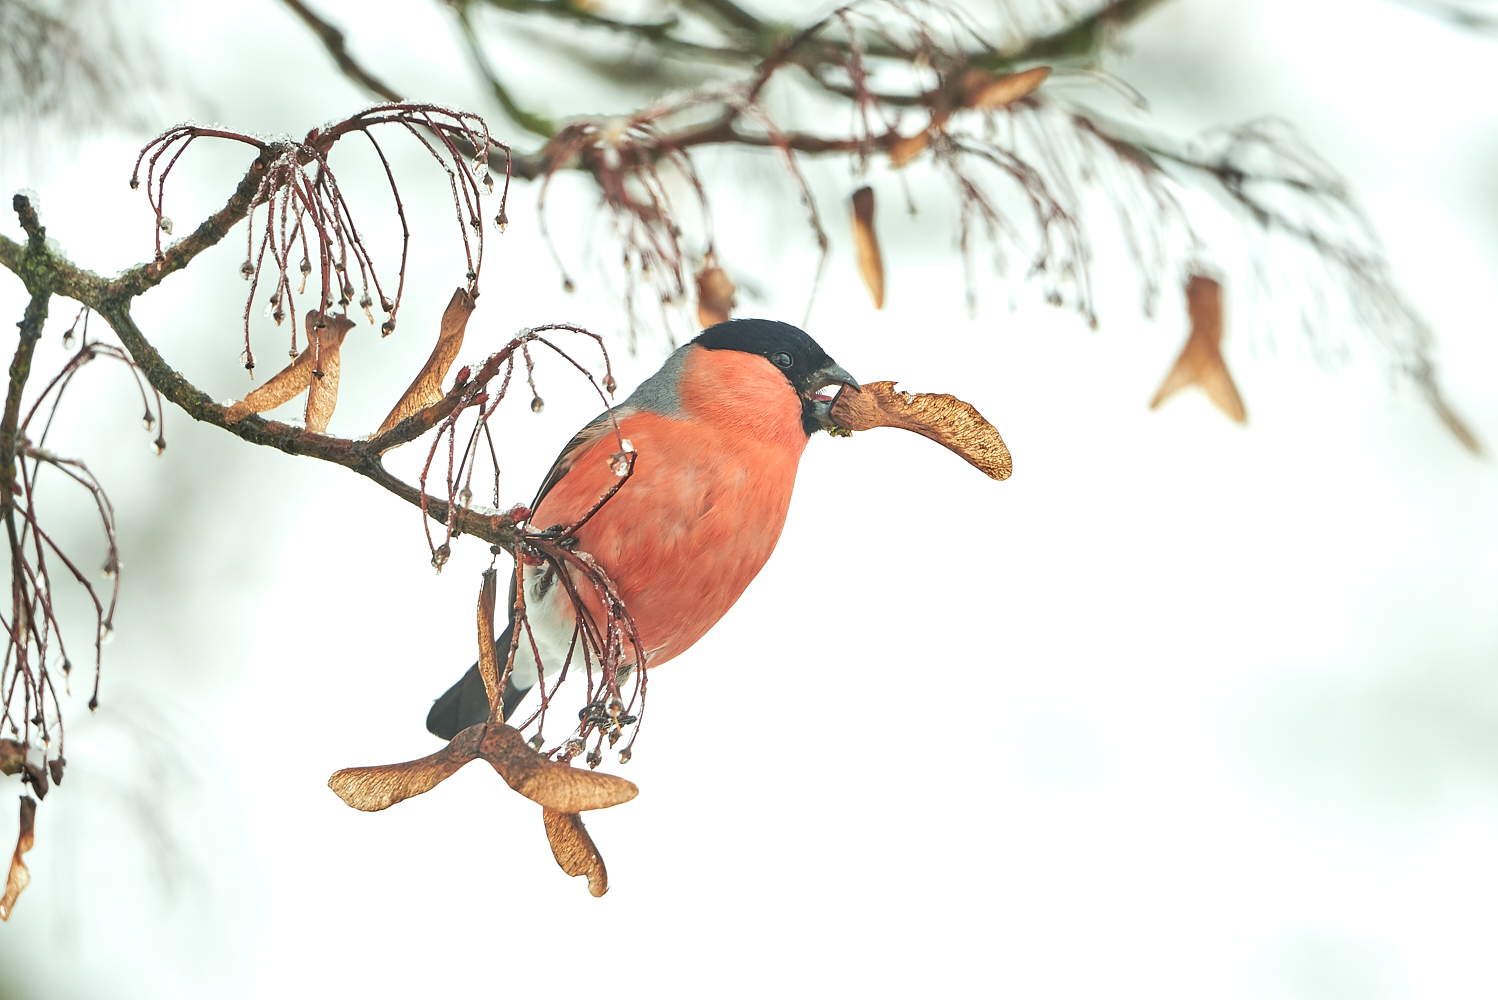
[718, 437]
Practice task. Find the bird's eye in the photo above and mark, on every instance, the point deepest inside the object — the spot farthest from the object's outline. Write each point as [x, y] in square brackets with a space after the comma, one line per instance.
[781, 358]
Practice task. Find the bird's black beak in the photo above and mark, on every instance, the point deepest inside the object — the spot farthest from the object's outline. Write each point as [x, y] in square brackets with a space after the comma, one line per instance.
[819, 407]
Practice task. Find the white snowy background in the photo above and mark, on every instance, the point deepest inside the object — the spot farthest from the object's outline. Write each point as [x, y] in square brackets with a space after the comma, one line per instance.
[1191, 710]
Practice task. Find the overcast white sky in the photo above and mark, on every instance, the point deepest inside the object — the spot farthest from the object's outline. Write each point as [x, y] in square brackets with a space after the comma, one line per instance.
[1191, 711]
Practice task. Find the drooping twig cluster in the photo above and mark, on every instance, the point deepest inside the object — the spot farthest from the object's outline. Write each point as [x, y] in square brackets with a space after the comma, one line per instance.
[309, 224]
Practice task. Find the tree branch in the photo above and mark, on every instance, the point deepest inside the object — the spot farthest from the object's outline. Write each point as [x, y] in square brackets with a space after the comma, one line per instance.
[46, 273]
[332, 40]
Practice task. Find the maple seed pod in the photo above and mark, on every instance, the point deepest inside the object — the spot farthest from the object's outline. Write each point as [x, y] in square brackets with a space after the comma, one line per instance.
[908, 148]
[866, 244]
[987, 92]
[715, 294]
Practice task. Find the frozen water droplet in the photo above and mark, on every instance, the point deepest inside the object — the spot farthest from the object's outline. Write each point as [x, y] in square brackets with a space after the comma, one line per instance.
[536, 741]
[473, 220]
[134, 183]
[1053, 298]
[537, 404]
[159, 445]
[166, 225]
[594, 758]
[609, 385]
[387, 328]
[573, 747]
[441, 556]
[568, 286]
[247, 269]
[306, 267]
[488, 182]
[619, 463]
[278, 315]
[625, 755]
[465, 497]
[365, 301]
[386, 304]
[93, 703]
[501, 221]
[148, 421]
[111, 567]
[106, 633]
[67, 339]
[67, 667]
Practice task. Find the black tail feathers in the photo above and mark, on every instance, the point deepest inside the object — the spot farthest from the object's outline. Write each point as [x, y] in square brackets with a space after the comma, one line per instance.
[467, 704]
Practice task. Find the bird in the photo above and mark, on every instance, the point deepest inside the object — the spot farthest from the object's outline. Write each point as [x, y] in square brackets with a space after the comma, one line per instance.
[717, 435]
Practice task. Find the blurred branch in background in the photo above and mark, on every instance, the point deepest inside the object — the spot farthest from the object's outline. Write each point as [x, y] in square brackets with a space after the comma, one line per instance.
[889, 61]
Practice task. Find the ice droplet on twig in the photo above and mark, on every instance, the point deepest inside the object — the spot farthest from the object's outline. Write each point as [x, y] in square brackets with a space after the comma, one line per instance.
[165, 224]
[538, 404]
[619, 460]
[465, 497]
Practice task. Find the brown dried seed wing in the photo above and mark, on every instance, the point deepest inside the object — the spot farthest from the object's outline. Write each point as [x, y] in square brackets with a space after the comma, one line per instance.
[574, 849]
[427, 387]
[295, 377]
[20, 876]
[12, 757]
[488, 656]
[1454, 422]
[371, 789]
[988, 92]
[715, 294]
[322, 393]
[1201, 361]
[908, 148]
[945, 419]
[558, 786]
[866, 244]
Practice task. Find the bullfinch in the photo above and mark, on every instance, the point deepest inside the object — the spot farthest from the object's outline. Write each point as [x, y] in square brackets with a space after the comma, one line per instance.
[718, 433]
